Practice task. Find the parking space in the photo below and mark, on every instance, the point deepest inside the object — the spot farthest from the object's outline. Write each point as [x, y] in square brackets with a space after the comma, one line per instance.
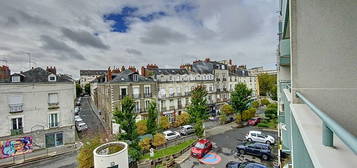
[224, 146]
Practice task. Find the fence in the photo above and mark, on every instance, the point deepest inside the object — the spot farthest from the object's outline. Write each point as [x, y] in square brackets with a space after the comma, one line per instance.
[37, 154]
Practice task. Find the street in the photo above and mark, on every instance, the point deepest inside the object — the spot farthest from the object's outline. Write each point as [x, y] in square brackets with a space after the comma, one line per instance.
[224, 145]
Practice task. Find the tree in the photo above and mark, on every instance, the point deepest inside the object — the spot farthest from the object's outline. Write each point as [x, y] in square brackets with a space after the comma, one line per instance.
[158, 140]
[255, 104]
[126, 119]
[78, 89]
[152, 118]
[266, 84]
[182, 119]
[274, 93]
[87, 88]
[145, 144]
[164, 122]
[238, 119]
[199, 130]
[271, 111]
[198, 108]
[222, 118]
[265, 102]
[227, 109]
[141, 127]
[85, 156]
[241, 98]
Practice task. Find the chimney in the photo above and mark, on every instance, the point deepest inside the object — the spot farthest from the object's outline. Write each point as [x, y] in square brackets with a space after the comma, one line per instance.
[51, 69]
[152, 66]
[230, 61]
[4, 74]
[122, 68]
[142, 71]
[109, 74]
[207, 60]
[132, 68]
[115, 70]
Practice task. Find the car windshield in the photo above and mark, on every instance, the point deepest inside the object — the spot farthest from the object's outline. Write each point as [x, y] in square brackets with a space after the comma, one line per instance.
[199, 146]
[170, 134]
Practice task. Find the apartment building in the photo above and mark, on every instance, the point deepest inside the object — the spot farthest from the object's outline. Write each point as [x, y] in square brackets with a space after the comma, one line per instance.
[317, 83]
[36, 108]
[242, 76]
[117, 84]
[87, 76]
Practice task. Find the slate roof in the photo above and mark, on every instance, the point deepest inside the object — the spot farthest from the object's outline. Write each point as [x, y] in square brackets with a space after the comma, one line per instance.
[206, 67]
[127, 76]
[240, 72]
[40, 75]
[169, 71]
[91, 72]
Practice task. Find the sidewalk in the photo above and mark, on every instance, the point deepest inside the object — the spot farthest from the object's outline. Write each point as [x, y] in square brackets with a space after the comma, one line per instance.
[96, 112]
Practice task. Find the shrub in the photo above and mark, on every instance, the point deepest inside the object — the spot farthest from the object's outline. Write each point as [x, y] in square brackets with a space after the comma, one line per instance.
[227, 109]
[182, 119]
[271, 111]
[265, 102]
[263, 125]
[141, 127]
[252, 112]
[145, 144]
[255, 104]
[245, 115]
[222, 119]
[158, 140]
[238, 119]
[164, 122]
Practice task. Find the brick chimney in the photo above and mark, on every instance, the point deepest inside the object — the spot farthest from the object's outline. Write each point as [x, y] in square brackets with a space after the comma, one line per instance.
[152, 66]
[115, 70]
[142, 71]
[51, 69]
[109, 74]
[207, 60]
[188, 67]
[4, 73]
[132, 68]
[230, 62]
[122, 68]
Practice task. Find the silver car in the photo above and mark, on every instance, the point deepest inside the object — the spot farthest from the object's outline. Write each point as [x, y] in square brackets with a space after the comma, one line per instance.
[187, 129]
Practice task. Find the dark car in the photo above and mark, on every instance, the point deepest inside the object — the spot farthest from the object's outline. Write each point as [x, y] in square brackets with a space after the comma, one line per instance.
[234, 164]
[256, 149]
[254, 121]
[201, 148]
[229, 120]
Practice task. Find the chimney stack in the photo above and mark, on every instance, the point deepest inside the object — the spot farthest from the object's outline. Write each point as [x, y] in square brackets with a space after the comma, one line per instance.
[109, 74]
[51, 69]
[4, 74]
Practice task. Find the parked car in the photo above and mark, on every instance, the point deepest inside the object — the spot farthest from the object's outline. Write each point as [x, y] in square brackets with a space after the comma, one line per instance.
[81, 126]
[254, 121]
[229, 120]
[234, 164]
[76, 110]
[257, 149]
[187, 129]
[258, 136]
[78, 103]
[170, 135]
[202, 147]
[77, 118]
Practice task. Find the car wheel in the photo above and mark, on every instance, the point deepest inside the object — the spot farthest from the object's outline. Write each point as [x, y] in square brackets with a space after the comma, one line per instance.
[268, 142]
[250, 140]
[265, 157]
[241, 151]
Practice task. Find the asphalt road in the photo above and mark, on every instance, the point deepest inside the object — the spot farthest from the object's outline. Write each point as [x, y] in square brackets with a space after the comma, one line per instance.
[224, 145]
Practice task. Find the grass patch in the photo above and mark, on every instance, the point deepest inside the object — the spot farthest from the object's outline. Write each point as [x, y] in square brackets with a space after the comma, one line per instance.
[268, 124]
[170, 150]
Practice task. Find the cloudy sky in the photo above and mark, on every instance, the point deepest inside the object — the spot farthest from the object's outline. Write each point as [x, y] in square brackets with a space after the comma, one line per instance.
[95, 34]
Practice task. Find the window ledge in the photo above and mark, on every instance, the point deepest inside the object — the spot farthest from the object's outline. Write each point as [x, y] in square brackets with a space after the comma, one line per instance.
[310, 127]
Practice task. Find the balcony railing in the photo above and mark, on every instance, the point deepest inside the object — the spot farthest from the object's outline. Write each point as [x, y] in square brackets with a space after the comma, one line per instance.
[53, 124]
[16, 132]
[15, 108]
[147, 95]
[53, 105]
[330, 126]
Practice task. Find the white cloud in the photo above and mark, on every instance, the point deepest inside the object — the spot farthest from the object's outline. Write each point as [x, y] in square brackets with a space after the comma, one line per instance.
[63, 33]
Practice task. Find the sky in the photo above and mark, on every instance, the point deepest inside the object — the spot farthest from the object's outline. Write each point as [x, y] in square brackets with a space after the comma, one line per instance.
[96, 34]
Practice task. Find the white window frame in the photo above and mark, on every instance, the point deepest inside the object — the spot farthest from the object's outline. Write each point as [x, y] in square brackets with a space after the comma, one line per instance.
[50, 119]
[49, 99]
[16, 79]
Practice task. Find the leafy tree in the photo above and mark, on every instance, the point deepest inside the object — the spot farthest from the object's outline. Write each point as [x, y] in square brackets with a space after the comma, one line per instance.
[271, 111]
[85, 156]
[141, 127]
[274, 93]
[255, 104]
[241, 98]
[126, 119]
[152, 118]
[182, 119]
[238, 119]
[222, 118]
[159, 139]
[87, 88]
[164, 122]
[198, 108]
[266, 84]
[199, 130]
[265, 102]
[145, 144]
[78, 89]
[227, 109]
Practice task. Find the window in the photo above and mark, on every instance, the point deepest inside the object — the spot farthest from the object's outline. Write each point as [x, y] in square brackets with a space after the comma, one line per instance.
[17, 123]
[135, 77]
[137, 107]
[136, 93]
[52, 78]
[147, 102]
[147, 90]
[123, 92]
[15, 103]
[53, 120]
[54, 139]
[15, 78]
[53, 98]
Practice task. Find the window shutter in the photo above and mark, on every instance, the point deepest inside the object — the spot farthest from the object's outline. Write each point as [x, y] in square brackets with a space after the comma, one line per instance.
[53, 98]
[136, 91]
[15, 99]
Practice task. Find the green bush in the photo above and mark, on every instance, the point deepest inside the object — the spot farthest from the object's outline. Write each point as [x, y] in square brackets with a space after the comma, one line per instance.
[263, 125]
[265, 102]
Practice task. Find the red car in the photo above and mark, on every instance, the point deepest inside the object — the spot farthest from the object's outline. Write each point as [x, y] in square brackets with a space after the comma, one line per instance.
[254, 121]
[202, 147]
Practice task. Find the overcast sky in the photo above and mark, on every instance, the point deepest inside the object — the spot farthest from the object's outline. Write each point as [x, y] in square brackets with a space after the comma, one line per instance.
[95, 34]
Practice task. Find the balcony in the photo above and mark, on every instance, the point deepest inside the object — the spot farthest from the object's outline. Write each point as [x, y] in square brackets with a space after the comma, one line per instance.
[147, 95]
[53, 124]
[52, 106]
[284, 58]
[136, 96]
[16, 108]
[16, 132]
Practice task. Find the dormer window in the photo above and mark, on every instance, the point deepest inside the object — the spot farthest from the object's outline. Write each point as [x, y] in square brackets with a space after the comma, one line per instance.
[15, 78]
[52, 78]
[135, 77]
